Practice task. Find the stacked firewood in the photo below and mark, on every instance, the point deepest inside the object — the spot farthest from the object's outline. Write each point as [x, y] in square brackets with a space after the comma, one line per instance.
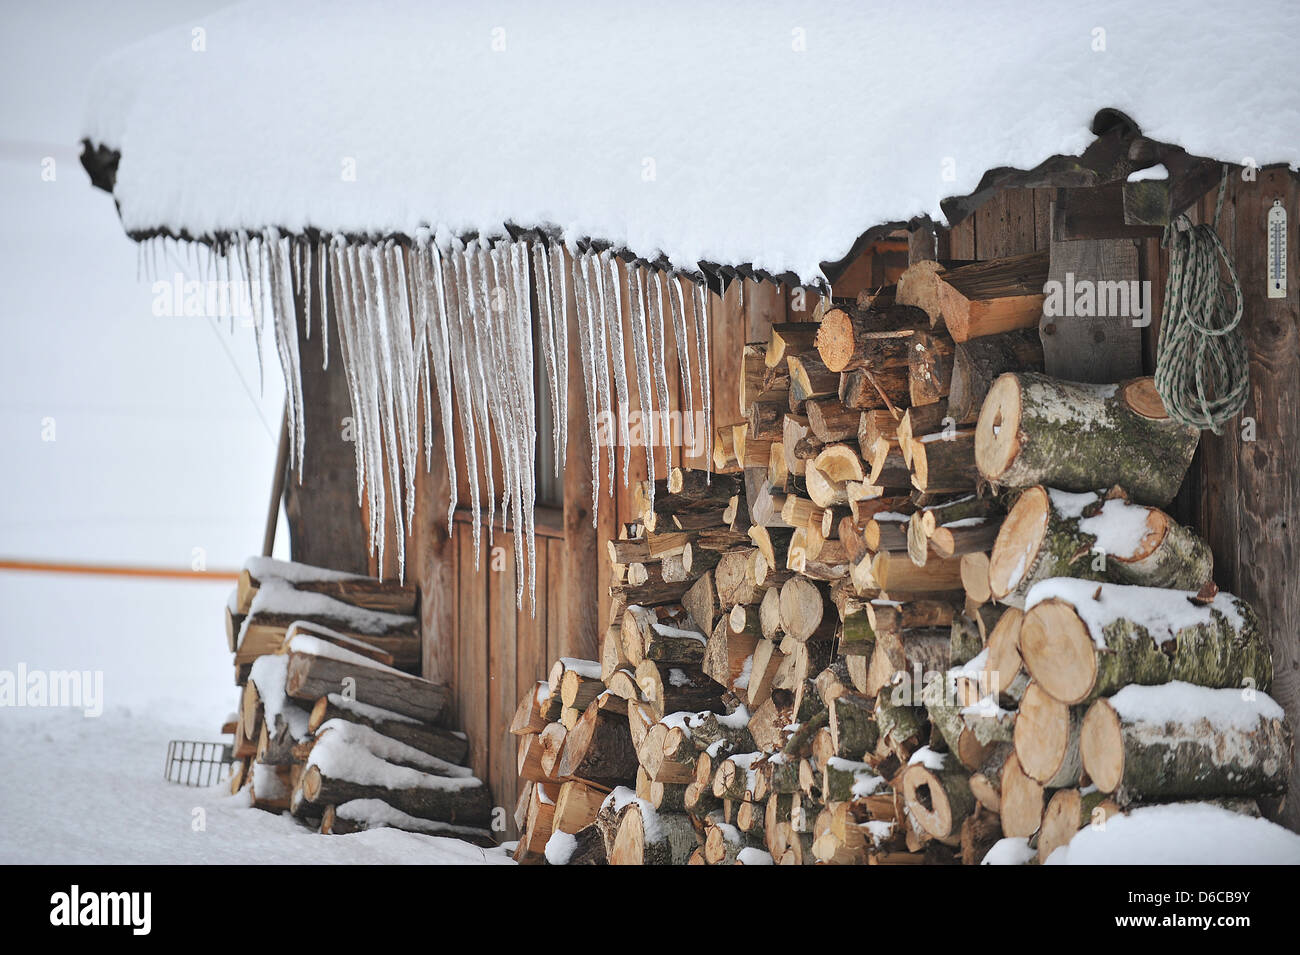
[333, 723]
[874, 634]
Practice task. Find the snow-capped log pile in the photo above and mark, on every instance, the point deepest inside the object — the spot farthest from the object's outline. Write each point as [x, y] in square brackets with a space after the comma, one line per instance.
[865, 646]
[332, 724]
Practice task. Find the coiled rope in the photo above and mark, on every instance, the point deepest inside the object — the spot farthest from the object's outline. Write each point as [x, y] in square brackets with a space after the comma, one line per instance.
[1202, 368]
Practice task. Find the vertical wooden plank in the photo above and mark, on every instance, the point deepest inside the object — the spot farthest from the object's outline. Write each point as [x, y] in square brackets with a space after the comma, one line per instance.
[579, 603]
[727, 341]
[961, 239]
[635, 469]
[697, 458]
[991, 227]
[1043, 218]
[799, 304]
[764, 303]
[502, 663]
[433, 566]
[1268, 492]
[472, 658]
[325, 527]
[556, 607]
[531, 629]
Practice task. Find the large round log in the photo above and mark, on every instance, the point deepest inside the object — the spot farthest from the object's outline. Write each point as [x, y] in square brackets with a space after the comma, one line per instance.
[1081, 640]
[1079, 437]
[599, 749]
[850, 338]
[1179, 741]
[1021, 800]
[1051, 533]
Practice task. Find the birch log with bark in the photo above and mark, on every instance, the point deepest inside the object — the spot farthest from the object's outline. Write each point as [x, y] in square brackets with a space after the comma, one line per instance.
[1081, 640]
[1079, 437]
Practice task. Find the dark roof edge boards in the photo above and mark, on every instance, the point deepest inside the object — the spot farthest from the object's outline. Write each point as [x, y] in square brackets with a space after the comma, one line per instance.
[1119, 150]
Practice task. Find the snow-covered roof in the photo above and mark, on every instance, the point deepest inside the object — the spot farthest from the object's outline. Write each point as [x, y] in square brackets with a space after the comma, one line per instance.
[739, 132]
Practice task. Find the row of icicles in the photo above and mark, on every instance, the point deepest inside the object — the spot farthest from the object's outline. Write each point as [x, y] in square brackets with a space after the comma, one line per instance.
[438, 313]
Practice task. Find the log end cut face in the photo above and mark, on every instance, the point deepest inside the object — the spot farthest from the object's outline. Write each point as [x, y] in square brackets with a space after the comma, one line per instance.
[1141, 396]
[1019, 541]
[1059, 651]
[927, 801]
[834, 341]
[1042, 734]
[1101, 746]
[997, 433]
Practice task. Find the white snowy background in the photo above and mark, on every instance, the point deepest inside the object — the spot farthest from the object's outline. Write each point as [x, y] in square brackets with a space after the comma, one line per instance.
[163, 444]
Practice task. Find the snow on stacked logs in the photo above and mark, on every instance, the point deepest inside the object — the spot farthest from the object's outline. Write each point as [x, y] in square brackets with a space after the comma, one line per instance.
[869, 637]
[331, 725]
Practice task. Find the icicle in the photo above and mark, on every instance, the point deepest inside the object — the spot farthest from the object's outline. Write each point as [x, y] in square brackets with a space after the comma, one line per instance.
[457, 312]
[474, 339]
[343, 322]
[661, 426]
[546, 320]
[520, 368]
[641, 356]
[440, 350]
[582, 317]
[600, 322]
[556, 278]
[706, 383]
[502, 405]
[678, 307]
[277, 257]
[610, 335]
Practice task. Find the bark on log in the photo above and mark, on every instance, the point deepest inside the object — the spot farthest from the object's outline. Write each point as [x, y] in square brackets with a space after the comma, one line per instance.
[1050, 533]
[312, 676]
[939, 799]
[450, 745]
[1079, 437]
[1089, 640]
[1143, 744]
[464, 801]
[599, 750]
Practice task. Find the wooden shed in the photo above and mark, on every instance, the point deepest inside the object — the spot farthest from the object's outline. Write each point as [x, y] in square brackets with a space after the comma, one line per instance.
[502, 594]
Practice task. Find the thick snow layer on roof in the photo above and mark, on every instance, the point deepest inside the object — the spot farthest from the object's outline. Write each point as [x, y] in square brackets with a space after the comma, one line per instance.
[735, 132]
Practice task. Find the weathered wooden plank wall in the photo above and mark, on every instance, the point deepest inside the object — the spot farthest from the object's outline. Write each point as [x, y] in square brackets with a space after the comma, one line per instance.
[474, 636]
[1243, 492]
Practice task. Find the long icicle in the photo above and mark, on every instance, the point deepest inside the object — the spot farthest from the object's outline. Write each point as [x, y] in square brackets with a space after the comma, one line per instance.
[661, 425]
[683, 360]
[440, 352]
[582, 319]
[706, 383]
[465, 382]
[557, 276]
[600, 348]
[641, 356]
[546, 331]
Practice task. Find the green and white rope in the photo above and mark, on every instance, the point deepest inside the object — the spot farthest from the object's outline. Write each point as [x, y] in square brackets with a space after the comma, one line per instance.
[1202, 368]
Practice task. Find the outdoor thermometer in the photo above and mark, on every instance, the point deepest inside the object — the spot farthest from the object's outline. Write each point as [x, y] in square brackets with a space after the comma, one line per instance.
[1277, 250]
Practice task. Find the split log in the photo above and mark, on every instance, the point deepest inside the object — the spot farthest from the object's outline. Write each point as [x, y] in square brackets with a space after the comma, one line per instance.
[993, 296]
[1079, 437]
[1081, 640]
[599, 750]
[1185, 742]
[387, 596]
[977, 363]
[929, 366]
[944, 462]
[669, 689]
